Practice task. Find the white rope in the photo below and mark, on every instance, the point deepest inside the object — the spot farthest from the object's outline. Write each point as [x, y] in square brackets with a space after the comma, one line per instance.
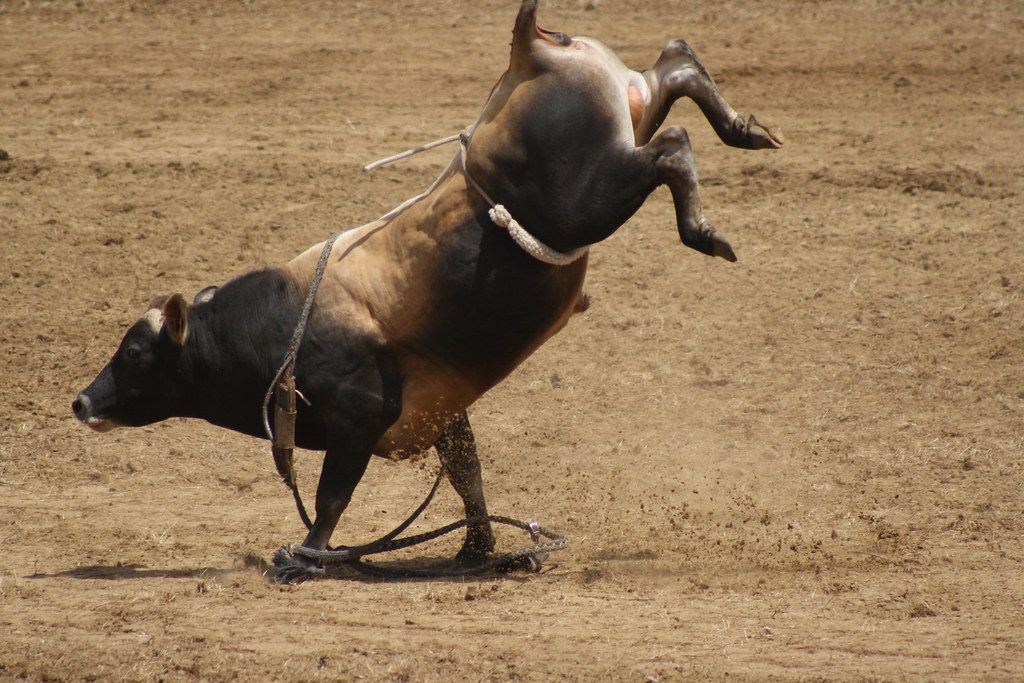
[409, 152]
[530, 244]
[503, 219]
[498, 213]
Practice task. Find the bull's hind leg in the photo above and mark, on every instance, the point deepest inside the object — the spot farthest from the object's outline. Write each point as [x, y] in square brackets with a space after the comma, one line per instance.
[673, 159]
[680, 73]
[457, 450]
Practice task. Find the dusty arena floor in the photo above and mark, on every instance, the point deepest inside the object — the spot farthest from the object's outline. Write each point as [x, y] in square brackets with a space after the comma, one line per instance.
[806, 465]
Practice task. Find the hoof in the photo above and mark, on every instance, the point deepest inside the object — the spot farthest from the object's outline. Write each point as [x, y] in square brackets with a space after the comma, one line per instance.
[532, 564]
[470, 557]
[705, 239]
[753, 133]
[476, 549]
[721, 248]
[294, 569]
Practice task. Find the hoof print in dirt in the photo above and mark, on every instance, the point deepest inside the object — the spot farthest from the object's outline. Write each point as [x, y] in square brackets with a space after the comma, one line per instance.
[293, 569]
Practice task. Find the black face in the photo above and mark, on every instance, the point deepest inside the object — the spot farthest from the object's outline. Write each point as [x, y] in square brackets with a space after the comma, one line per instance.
[137, 385]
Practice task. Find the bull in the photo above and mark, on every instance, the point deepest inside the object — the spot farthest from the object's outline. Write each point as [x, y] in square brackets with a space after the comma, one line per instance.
[423, 311]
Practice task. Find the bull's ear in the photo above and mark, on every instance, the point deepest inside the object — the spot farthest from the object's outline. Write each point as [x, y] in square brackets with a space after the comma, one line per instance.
[176, 319]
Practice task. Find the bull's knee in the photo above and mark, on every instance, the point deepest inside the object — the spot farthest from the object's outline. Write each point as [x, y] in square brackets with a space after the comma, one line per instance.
[677, 47]
[680, 52]
[671, 141]
[674, 156]
[676, 137]
[679, 67]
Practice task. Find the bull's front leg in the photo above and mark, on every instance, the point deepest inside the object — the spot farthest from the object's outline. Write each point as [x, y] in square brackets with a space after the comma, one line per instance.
[680, 73]
[675, 166]
[341, 472]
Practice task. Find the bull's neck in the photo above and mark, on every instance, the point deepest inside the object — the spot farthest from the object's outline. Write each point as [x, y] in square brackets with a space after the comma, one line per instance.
[235, 345]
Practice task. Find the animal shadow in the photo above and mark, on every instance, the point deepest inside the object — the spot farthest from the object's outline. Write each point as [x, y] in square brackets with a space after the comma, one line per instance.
[421, 569]
[120, 571]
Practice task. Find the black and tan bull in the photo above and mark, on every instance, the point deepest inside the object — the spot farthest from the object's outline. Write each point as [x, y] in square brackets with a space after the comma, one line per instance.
[421, 313]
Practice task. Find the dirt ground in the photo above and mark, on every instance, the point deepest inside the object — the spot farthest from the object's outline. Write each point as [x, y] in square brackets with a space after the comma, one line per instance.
[806, 465]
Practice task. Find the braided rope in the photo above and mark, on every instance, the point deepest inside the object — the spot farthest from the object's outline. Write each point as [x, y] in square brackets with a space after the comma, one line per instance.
[300, 330]
[520, 235]
[529, 557]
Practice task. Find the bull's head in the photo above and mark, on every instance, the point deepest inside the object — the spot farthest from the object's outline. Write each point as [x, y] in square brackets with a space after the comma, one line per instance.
[137, 386]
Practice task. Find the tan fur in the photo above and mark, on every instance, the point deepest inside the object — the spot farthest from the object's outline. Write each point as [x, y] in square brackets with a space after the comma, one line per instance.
[379, 281]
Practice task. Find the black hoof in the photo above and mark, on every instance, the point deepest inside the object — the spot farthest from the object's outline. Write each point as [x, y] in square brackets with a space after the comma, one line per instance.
[475, 550]
[470, 557]
[722, 249]
[530, 563]
[294, 569]
[755, 133]
[705, 239]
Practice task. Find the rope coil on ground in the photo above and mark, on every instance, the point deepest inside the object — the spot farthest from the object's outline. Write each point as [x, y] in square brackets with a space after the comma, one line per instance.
[529, 557]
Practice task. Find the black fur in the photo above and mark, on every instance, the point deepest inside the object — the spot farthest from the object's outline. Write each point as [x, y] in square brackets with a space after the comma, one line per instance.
[235, 344]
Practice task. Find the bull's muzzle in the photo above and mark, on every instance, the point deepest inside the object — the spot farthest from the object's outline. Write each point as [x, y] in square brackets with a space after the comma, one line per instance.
[83, 410]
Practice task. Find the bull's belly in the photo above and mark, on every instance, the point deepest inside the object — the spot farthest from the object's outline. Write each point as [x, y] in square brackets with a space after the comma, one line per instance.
[431, 398]
[437, 391]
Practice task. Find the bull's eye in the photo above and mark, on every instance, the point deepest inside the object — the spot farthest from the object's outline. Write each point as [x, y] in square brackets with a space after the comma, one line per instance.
[133, 353]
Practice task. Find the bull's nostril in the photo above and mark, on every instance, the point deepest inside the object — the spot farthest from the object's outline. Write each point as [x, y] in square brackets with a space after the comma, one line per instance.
[76, 406]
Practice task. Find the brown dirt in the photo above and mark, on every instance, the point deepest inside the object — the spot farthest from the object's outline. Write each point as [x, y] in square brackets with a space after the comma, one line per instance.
[804, 465]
